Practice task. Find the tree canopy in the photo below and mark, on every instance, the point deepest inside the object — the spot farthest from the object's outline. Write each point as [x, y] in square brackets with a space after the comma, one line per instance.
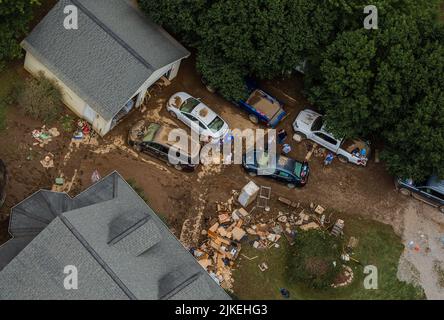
[385, 84]
[240, 38]
[15, 16]
[388, 84]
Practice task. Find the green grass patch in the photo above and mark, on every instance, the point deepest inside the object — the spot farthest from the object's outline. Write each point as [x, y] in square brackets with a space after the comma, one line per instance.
[378, 246]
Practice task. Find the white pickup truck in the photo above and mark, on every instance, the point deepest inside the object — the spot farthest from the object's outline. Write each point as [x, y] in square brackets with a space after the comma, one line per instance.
[309, 125]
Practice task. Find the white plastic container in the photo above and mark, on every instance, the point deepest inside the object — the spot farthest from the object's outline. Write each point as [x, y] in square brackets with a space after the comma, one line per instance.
[248, 194]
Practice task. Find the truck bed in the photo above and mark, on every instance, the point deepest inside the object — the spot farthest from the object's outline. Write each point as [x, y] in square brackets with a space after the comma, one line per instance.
[262, 103]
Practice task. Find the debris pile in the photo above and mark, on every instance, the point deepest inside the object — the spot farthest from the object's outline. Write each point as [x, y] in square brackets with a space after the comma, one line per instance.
[44, 136]
[235, 226]
[220, 250]
[48, 161]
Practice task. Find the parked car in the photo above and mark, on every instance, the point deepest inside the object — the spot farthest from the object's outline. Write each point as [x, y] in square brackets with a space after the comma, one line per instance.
[290, 171]
[262, 107]
[152, 139]
[310, 125]
[188, 109]
[430, 191]
[3, 180]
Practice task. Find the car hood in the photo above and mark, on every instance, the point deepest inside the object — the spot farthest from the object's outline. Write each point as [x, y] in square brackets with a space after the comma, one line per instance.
[307, 117]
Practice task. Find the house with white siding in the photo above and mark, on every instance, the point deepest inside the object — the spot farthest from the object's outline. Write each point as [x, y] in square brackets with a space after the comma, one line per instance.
[106, 65]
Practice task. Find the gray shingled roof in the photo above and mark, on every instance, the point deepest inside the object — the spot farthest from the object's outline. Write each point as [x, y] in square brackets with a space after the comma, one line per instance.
[110, 56]
[120, 246]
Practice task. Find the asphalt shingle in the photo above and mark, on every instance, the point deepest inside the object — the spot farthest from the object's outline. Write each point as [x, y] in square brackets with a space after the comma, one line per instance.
[110, 56]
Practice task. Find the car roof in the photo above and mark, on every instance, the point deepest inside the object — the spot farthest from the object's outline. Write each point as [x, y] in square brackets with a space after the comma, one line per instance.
[282, 162]
[204, 113]
[159, 133]
[162, 137]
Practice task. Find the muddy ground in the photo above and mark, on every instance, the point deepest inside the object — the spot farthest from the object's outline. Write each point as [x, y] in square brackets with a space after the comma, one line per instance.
[190, 197]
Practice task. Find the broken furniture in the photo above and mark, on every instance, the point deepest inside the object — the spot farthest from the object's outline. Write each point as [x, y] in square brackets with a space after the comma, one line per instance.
[263, 266]
[338, 228]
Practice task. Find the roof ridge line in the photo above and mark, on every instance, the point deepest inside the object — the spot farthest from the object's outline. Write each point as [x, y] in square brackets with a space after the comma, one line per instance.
[29, 215]
[129, 230]
[113, 35]
[97, 257]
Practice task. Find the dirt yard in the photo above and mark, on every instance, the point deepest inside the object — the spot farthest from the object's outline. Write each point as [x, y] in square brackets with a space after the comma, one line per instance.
[190, 198]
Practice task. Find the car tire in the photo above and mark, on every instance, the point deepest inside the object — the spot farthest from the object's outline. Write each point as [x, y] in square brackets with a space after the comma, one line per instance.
[253, 118]
[405, 192]
[178, 167]
[299, 136]
[291, 186]
[441, 209]
[173, 114]
[252, 174]
[342, 159]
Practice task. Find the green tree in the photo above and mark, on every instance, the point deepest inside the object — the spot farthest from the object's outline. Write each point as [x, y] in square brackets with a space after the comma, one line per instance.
[256, 38]
[387, 83]
[182, 17]
[15, 16]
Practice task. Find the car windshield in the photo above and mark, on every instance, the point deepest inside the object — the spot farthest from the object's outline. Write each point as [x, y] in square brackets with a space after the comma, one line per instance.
[317, 124]
[216, 124]
[262, 158]
[151, 132]
[298, 169]
[189, 105]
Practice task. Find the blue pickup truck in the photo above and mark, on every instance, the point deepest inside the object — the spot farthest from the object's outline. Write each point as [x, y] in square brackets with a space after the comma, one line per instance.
[262, 107]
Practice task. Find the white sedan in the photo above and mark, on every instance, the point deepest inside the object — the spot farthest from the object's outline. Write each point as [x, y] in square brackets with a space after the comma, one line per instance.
[190, 110]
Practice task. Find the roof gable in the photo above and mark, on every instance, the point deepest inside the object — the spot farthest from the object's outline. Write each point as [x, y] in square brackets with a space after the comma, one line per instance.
[122, 245]
[110, 56]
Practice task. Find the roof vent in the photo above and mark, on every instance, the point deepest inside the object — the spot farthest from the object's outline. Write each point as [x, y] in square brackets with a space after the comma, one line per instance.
[133, 234]
[184, 284]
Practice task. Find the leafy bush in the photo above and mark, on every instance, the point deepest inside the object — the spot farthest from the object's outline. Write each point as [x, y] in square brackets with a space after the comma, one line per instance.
[67, 123]
[311, 259]
[15, 16]
[227, 79]
[41, 98]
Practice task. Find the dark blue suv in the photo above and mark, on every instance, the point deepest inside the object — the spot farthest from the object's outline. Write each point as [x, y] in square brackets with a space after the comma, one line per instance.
[431, 191]
[290, 171]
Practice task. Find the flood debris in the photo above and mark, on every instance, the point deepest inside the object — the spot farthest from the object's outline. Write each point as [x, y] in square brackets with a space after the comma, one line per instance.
[44, 136]
[338, 228]
[237, 223]
[48, 161]
[248, 194]
[263, 266]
